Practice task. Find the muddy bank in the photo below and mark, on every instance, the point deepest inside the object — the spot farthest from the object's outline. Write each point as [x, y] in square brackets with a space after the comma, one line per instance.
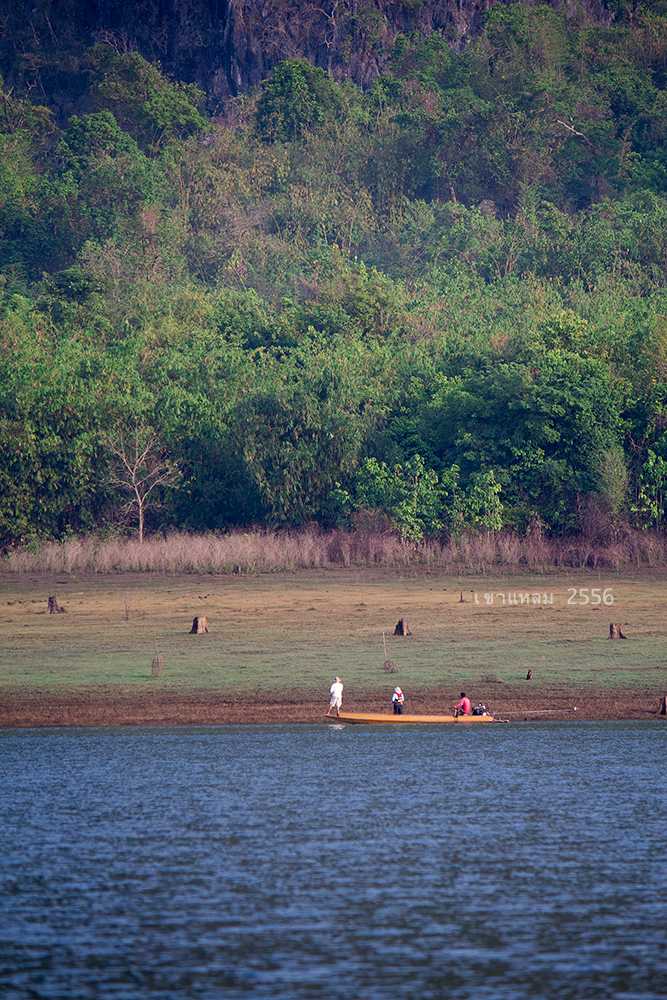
[109, 706]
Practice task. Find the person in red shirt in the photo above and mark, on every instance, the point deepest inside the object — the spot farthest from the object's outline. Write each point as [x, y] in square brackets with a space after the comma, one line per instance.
[463, 706]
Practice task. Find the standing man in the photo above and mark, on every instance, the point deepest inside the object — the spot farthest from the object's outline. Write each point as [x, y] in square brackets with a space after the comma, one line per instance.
[336, 692]
[463, 706]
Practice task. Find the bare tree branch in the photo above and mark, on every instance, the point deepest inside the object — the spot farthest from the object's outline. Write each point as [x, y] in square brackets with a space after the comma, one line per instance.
[574, 131]
[139, 467]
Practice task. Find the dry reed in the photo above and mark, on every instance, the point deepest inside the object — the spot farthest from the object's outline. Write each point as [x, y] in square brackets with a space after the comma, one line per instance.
[264, 551]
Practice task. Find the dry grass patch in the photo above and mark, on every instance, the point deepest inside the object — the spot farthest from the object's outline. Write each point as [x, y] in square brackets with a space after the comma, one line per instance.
[261, 551]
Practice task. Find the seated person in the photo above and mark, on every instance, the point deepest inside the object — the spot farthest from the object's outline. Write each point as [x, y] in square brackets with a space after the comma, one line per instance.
[463, 706]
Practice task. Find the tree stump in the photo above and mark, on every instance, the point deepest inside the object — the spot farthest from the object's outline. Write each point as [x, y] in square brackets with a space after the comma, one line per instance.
[402, 627]
[663, 705]
[54, 607]
[199, 625]
[616, 631]
[157, 665]
[529, 675]
[389, 667]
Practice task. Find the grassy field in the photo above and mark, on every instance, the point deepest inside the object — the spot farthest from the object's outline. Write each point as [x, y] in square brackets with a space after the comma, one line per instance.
[279, 632]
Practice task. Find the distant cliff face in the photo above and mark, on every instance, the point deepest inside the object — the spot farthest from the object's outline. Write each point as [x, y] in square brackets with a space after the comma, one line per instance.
[228, 46]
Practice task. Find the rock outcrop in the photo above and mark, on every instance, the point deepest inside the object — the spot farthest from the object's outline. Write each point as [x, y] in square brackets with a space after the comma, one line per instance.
[228, 46]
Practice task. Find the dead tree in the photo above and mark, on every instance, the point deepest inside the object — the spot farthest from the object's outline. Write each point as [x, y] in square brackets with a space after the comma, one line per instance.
[199, 625]
[140, 469]
[54, 607]
[573, 131]
[402, 627]
[616, 631]
[330, 37]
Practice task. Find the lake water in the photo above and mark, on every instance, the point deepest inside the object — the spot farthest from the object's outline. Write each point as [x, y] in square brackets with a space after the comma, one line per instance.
[503, 862]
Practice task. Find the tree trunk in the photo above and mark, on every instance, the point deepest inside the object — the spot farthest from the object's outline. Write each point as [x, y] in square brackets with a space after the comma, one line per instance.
[663, 705]
[199, 625]
[141, 522]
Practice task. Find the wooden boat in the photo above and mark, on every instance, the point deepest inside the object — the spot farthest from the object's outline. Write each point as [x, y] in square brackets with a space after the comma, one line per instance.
[364, 718]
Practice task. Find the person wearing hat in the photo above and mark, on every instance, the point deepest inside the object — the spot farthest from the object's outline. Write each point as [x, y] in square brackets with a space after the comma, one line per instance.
[397, 700]
[336, 692]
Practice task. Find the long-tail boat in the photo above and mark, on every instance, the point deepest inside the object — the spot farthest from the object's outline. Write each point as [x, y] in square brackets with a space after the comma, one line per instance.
[364, 718]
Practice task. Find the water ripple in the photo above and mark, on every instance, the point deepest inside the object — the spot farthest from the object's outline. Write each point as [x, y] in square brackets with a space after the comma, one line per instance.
[517, 862]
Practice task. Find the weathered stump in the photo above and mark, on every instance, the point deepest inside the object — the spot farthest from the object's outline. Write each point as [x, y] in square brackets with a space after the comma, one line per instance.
[157, 665]
[529, 675]
[616, 631]
[402, 627]
[389, 667]
[199, 625]
[54, 607]
[663, 705]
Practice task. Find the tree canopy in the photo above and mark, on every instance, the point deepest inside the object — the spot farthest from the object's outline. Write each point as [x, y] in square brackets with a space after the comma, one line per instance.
[441, 298]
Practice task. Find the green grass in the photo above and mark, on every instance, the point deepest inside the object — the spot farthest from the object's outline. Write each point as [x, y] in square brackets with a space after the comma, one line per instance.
[295, 631]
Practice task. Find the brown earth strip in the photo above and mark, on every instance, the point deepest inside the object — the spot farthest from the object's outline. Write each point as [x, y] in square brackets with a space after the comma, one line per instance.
[123, 707]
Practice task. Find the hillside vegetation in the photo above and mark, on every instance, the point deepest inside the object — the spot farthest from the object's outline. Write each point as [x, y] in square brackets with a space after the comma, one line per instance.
[435, 305]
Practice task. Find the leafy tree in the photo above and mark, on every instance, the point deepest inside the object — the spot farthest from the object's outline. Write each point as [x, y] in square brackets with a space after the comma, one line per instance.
[153, 109]
[650, 507]
[296, 99]
[544, 426]
[482, 507]
[410, 495]
[53, 401]
[303, 427]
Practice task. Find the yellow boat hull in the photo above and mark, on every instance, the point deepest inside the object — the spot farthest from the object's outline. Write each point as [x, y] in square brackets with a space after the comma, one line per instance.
[364, 718]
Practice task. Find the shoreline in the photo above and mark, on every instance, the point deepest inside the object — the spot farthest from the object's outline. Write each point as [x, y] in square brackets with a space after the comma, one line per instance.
[109, 706]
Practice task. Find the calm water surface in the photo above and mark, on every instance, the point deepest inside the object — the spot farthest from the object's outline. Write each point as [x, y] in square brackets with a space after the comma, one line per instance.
[509, 862]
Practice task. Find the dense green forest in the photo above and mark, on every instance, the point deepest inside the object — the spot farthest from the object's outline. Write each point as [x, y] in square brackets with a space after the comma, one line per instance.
[435, 304]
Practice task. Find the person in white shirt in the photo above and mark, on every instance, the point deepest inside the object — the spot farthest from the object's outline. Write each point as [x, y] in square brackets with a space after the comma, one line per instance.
[397, 700]
[336, 692]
